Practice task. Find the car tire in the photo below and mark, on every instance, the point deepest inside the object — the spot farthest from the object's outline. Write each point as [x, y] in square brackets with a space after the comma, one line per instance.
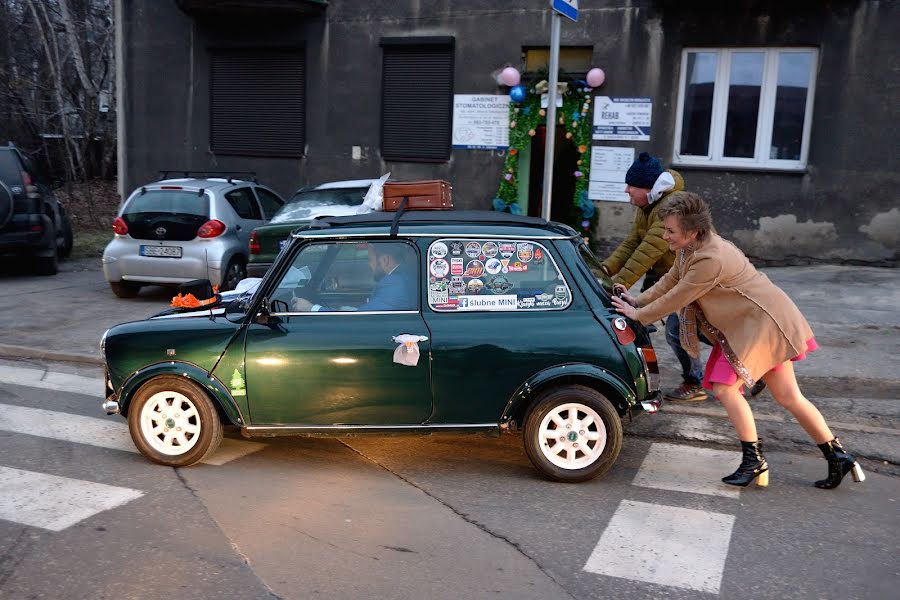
[585, 420]
[234, 272]
[125, 289]
[68, 238]
[173, 422]
[47, 265]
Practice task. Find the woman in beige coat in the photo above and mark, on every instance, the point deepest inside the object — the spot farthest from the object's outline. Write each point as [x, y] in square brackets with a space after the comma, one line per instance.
[756, 331]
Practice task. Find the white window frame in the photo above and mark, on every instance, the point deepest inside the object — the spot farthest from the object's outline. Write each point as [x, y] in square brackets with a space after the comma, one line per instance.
[765, 117]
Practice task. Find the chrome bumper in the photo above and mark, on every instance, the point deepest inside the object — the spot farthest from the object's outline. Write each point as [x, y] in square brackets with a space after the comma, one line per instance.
[111, 407]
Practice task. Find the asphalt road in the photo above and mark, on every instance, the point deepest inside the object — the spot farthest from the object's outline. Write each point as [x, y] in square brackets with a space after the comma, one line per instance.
[83, 516]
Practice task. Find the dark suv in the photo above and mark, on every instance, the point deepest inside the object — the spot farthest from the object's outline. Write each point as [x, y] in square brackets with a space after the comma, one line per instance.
[33, 223]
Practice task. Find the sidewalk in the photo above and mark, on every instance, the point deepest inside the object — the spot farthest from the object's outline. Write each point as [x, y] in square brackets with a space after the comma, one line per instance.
[853, 377]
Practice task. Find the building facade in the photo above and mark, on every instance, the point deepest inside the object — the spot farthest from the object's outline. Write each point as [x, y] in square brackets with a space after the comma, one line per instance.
[782, 114]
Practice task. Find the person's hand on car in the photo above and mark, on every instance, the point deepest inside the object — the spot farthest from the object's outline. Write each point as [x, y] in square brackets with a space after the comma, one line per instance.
[621, 291]
[623, 307]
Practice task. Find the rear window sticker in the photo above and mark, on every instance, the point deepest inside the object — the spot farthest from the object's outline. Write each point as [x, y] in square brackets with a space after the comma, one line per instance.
[457, 285]
[499, 285]
[456, 266]
[525, 252]
[438, 297]
[439, 249]
[538, 256]
[456, 248]
[517, 267]
[475, 268]
[475, 286]
[439, 267]
[439, 286]
[488, 302]
[507, 249]
[489, 249]
[561, 292]
[473, 249]
[493, 266]
[527, 302]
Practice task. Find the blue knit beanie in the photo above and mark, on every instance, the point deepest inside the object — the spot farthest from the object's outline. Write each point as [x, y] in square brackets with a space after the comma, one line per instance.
[643, 172]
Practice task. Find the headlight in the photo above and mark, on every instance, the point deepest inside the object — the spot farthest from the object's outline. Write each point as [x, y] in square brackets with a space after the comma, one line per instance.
[103, 342]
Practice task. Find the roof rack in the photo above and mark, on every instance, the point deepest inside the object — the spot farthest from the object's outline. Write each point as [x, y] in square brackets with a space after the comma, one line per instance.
[229, 175]
[424, 217]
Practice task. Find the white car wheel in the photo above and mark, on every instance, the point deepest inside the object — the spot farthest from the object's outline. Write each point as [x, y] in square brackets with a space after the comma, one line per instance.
[170, 423]
[572, 435]
[174, 422]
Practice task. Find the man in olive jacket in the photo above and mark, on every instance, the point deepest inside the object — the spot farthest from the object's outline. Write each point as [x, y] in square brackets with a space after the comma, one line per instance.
[645, 253]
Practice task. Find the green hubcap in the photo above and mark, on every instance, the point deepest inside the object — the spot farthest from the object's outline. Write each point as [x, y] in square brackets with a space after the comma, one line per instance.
[170, 422]
[572, 436]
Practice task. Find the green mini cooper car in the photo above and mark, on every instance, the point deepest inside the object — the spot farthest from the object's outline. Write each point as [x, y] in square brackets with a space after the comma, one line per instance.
[417, 322]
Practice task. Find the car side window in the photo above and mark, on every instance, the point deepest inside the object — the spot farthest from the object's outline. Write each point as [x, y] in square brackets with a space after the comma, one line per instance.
[351, 276]
[494, 275]
[270, 202]
[244, 203]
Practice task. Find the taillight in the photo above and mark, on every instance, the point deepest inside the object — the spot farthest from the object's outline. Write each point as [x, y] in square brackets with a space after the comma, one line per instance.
[119, 226]
[211, 229]
[255, 248]
[26, 178]
[651, 366]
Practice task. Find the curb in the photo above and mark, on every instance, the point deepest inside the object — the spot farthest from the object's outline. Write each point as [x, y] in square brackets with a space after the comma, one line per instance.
[8, 351]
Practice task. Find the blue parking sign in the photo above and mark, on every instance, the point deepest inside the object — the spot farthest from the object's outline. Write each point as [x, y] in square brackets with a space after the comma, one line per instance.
[567, 8]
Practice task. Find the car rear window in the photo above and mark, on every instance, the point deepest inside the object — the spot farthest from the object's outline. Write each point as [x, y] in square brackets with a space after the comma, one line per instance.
[173, 202]
[470, 274]
[309, 204]
[10, 169]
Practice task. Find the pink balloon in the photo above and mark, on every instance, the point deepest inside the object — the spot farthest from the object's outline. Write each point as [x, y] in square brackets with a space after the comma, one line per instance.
[596, 77]
[510, 76]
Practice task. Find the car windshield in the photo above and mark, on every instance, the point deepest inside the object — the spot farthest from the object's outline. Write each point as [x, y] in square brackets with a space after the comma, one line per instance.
[309, 204]
[596, 268]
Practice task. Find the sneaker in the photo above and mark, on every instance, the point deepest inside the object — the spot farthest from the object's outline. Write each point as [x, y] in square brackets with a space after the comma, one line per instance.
[686, 392]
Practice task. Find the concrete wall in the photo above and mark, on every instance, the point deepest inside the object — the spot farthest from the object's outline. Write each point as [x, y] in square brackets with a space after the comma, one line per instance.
[841, 208]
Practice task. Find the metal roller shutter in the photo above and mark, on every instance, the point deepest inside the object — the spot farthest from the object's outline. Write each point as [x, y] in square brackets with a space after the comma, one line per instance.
[417, 99]
[258, 102]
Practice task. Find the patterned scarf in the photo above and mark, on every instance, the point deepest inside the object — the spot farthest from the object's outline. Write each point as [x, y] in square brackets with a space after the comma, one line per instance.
[687, 319]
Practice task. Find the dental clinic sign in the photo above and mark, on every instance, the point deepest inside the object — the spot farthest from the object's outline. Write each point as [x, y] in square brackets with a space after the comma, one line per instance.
[480, 122]
[622, 118]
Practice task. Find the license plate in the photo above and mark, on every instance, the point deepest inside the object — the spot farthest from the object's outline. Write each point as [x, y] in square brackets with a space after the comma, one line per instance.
[161, 251]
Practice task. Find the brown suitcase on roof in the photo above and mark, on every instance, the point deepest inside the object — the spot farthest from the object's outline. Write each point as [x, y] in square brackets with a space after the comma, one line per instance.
[423, 195]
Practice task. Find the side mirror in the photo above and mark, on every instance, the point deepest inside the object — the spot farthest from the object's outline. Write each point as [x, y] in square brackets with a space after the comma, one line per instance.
[264, 314]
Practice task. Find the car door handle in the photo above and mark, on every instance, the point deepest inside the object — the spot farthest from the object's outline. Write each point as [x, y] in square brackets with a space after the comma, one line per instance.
[397, 338]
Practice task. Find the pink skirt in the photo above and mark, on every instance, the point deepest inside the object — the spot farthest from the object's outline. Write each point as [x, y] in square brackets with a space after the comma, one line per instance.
[719, 370]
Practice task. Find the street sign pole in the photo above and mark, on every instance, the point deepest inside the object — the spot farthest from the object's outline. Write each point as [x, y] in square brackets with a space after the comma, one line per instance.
[551, 116]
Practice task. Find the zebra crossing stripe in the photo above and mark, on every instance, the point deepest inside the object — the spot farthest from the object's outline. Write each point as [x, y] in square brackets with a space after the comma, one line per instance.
[53, 502]
[665, 545]
[699, 470]
[104, 433]
[49, 380]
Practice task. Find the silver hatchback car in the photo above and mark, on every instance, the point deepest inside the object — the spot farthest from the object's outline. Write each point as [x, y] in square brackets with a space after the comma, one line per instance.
[176, 230]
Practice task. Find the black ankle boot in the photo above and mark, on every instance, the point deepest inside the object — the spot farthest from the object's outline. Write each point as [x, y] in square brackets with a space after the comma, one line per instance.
[840, 462]
[753, 466]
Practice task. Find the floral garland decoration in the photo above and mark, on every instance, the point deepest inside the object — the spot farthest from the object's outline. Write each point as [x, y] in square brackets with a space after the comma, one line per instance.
[524, 119]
